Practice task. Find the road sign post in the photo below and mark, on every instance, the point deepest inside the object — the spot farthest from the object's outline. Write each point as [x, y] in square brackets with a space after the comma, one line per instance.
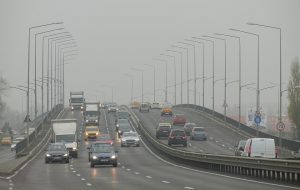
[257, 120]
[280, 127]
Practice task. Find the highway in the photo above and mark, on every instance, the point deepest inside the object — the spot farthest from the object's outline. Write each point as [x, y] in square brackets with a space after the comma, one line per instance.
[138, 168]
[220, 140]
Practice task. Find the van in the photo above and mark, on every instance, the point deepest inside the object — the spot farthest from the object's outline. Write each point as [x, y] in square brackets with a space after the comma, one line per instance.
[260, 147]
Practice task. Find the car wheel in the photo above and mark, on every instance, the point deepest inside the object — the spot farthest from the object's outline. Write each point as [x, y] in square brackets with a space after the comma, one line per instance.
[75, 156]
[92, 165]
[191, 138]
[185, 145]
[138, 145]
[115, 164]
[122, 145]
[67, 161]
[204, 139]
[46, 161]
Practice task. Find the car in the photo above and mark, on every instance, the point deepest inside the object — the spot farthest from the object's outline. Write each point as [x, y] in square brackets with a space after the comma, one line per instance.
[188, 128]
[104, 138]
[198, 133]
[91, 132]
[6, 141]
[163, 130]
[57, 152]
[13, 145]
[130, 139]
[177, 136]
[103, 155]
[120, 122]
[124, 128]
[112, 107]
[178, 119]
[122, 114]
[240, 148]
[135, 105]
[155, 105]
[260, 147]
[144, 107]
[166, 110]
[95, 144]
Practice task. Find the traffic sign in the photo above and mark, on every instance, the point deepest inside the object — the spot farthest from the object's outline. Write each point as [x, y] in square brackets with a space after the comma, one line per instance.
[280, 126]
[257, 119]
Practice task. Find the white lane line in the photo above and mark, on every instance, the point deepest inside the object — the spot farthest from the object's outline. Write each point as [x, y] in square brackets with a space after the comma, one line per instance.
[71, 168]
[189, 188]
[123, 167]
[128, 169]
[136, 173]
[166, 182]
[78, 175]
[74, 171]
[10, 188]
[11, 184]
[149, 177]
[82, 179]
[88, 184]
[10, 181]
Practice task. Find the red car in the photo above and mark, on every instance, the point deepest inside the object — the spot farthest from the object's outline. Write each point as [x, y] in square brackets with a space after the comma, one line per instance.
[104, 138]
[179, 119]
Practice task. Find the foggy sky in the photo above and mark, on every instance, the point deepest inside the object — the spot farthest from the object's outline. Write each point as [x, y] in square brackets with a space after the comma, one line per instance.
[113, 36]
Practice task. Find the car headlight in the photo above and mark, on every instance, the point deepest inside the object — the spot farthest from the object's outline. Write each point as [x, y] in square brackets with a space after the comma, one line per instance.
[96, 120]
[119, 131]
[97, 133]
[72, 107]
[65, 155]
[94, 157]
[86, 120]
[74, 148]
[48, 155]
[86, 133]
[113, 157]
[117, 125]
[81, 107]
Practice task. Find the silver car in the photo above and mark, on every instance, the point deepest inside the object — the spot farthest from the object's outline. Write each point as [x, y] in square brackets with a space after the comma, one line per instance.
[130, 139]
[198, 133]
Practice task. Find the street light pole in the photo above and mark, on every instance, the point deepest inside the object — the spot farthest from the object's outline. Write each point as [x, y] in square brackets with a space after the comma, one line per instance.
[225, 75]
[187, 71]
[131, 77]
[153, 66]
[175, 84]
[181, 67]
[166, 89]
[142, 71]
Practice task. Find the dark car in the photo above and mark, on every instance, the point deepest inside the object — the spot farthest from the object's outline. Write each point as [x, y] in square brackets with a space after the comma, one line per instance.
[104, 155]
[120, 122]
[124, 128]
[188, 127]
[163, 130]
[144, 107]
[240, 148]
[198, 133]
[122, 114]
[177, 136]
[96, 144]
[179, 119]
[57, 152]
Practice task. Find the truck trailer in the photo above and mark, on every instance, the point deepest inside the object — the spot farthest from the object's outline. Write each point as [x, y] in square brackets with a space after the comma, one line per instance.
[77, 100]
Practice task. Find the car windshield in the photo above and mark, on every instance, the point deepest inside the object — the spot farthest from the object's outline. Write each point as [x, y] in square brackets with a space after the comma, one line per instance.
[76, 100]
[122, 114]
[56, 147]
[178, 132]
[65, 138]
[91, 113]
[164, 127]
[104, 137]
[130, 135]
[92, 129]
[190, 125]
[198, 129]
[120, 121]
[102, 149]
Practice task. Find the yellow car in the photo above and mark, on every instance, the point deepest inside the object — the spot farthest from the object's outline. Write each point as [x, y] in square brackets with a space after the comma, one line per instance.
[166, 110]
[135, 105]
[91, 132]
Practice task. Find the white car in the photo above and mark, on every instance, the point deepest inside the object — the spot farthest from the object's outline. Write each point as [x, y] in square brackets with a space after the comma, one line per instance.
[155, 105]
[260, 147]
[130, 139]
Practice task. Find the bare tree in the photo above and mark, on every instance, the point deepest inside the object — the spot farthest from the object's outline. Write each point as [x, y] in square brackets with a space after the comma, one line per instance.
[3, 87]
[294, 95]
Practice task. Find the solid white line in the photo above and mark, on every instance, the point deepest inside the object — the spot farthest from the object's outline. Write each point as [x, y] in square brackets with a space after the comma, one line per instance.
[189, 188]
[74, 171]
[82, 179]
[88, 184]
[136, 173]
[165, 181]
[149, 177]
[78, 175]
[215, 174]
[10, 188]
[128, 169]
[11, 184]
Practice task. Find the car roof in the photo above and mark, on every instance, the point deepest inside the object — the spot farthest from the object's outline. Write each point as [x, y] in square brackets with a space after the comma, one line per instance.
[164, 124]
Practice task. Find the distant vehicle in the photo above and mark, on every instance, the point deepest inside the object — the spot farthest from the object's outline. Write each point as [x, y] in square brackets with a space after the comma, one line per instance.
[104, 155]
[91, 113]
[91, 132]
[112, 107]
[104, 138]
[13, 145]
[122, 115]
[6, 141]
[166, 110]
[155, 105]
[198, 133]
[124, 128]
[188, 128]
[130, 139]
[57, 152]
[65, 131]
[76, 100]
[240, 148]
[260, 147]
[135, 105]
[179, 119]
[163, 130]
[177, 136]
[120, 122]
[144, 107]
[96, 144]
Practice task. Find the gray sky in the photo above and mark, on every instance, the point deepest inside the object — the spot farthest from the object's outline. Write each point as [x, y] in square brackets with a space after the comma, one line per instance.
[114, 36]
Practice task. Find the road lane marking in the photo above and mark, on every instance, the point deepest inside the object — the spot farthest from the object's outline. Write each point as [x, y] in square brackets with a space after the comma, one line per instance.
[166, 182]
[149, 177]
[82, 179]
[74, 171]
[88, 184]
[10, 188]
[136, 173]
[123, 167]
[11, 184]
[78, 175]
[189, 188]
[128, 169]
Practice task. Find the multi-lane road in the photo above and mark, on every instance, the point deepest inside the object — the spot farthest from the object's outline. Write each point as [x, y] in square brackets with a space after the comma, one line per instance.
[138, 167]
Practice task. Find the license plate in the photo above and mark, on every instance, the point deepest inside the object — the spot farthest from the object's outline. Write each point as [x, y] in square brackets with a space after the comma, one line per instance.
[104, 160]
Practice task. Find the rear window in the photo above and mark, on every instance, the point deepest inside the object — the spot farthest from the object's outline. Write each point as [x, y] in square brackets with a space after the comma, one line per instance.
[92, 129]
[164, 127]
[178, 133]
[198, 129]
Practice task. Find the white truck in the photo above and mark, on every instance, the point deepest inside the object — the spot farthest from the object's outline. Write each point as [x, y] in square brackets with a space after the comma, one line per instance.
[65, 131]
[92, 113]
[76, 100]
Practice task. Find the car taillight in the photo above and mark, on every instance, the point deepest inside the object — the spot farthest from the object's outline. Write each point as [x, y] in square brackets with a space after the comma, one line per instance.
[184, 137]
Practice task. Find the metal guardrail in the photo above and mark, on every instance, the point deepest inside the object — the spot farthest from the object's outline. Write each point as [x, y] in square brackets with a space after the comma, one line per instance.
[286, 143]
[38, 125]
[273, 169]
